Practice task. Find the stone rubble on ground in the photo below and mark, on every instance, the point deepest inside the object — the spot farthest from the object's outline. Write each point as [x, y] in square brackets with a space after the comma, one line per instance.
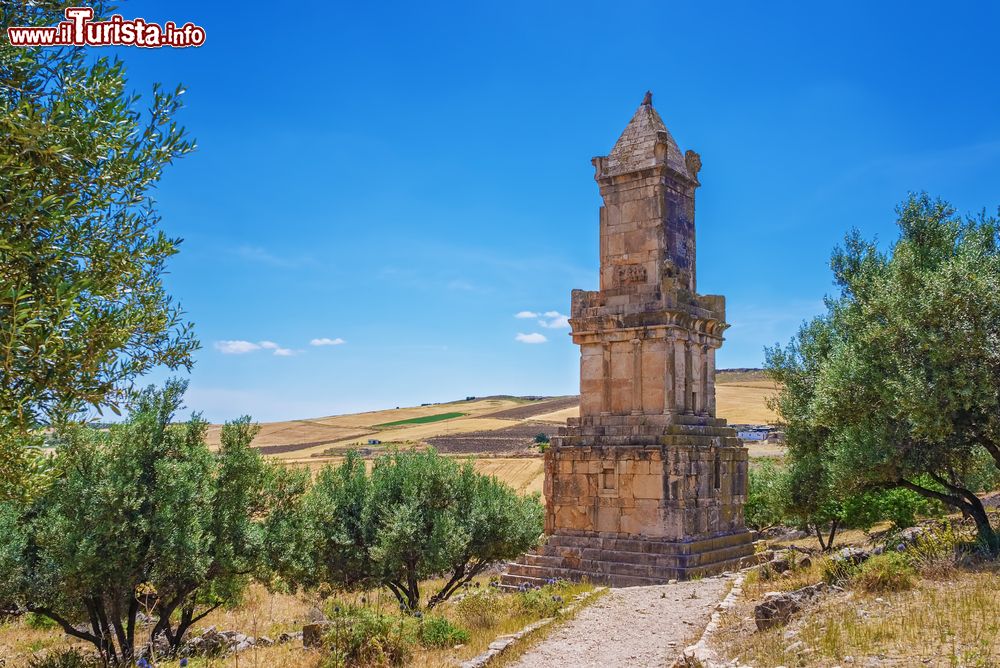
[777, 607]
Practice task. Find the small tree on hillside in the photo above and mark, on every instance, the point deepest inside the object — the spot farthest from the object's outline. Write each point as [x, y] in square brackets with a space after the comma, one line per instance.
[143, 516]
[417, 515]
[896, 386]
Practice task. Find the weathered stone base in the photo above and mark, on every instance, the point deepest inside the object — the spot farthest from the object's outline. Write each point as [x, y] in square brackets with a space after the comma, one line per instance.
[627, 561]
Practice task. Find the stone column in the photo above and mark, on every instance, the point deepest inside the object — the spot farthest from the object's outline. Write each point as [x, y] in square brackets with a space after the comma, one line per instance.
[703, 366]
[670, 380]
[688, 379]
[710, 361]
[606, 381]
[636, 376]
[679, 372]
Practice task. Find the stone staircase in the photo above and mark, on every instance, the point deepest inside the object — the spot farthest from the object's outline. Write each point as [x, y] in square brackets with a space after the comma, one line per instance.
[628, 562]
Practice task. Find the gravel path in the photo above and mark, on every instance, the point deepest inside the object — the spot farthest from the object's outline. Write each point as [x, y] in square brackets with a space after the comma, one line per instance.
[632, 627]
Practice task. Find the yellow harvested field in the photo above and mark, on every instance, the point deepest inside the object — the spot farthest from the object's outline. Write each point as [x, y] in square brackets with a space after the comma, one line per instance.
[418, 432]
[745, 402]
[558, 416]
[525, 474]
[741, 398]
[412, 434]
[295, 431]
[320, 433]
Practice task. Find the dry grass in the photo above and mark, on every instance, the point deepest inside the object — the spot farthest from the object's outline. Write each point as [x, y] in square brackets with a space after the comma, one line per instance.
[18, 641]
[931, 607]
[261, 613]
[953, 622]
[265, 613]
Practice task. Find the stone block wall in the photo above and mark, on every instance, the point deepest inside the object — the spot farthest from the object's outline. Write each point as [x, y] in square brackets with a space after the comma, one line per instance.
[681, 491]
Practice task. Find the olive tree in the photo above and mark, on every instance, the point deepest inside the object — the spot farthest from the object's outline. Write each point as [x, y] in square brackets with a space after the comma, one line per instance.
[415, 516]
[895, 387]
[144, 517]
[83, 310]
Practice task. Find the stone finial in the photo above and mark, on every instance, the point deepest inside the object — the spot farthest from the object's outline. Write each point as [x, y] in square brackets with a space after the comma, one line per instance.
[693, 163]
[648, 100]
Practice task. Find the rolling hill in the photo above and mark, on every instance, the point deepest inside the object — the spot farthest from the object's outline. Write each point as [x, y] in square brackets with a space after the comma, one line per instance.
[499, 430]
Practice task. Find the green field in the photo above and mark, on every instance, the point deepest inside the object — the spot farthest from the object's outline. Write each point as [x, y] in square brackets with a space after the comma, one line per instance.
[420, 420]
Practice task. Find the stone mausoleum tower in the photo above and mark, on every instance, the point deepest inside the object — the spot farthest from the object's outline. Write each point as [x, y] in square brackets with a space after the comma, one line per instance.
[647, 484]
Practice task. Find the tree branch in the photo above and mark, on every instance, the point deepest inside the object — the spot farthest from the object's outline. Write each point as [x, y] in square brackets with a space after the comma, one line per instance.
[67, 628]
[949, 499]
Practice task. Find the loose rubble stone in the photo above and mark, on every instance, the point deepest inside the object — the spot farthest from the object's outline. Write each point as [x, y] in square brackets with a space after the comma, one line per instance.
[312, 634]
[778, 607]
[851, 555]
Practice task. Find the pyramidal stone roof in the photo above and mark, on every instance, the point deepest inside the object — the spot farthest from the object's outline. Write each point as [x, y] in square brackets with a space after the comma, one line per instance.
[634, 149]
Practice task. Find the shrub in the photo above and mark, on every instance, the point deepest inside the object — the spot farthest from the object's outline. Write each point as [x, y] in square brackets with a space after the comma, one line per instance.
[439, 632]
[835, 571]
[68, 659]
[767, 493]
[480, 610]
[542, 602]
[889, 571]
[364, 636]
[541, 438]
[937, 551]
[37, 621]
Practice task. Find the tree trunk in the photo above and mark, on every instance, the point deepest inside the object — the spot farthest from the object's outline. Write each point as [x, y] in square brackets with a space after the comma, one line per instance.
[834, 525]
[968, 503]
[987, 535]
[819, 536]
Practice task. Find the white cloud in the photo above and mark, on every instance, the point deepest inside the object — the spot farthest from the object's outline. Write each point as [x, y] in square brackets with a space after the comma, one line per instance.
[236, 347]
[554, 320]
[327, 342]
[534, 337]
[526, 314]
[240, 347]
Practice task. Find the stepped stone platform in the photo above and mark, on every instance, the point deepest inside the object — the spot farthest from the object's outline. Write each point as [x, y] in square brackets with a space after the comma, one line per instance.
[637, 500]
[629, 562]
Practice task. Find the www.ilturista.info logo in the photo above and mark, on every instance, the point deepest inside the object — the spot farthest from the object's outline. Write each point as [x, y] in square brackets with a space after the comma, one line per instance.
[79, 29]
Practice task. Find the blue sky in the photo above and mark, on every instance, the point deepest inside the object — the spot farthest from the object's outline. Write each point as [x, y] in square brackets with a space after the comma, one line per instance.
[407, 177]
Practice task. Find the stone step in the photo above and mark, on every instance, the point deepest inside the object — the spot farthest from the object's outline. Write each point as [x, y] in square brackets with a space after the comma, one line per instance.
[630, 563]
[618, 576]
[600, 566]
[539, 575]
[613, 543]
[623, 562]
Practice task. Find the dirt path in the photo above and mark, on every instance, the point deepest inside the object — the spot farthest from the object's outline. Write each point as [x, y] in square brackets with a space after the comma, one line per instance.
[632, 627]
